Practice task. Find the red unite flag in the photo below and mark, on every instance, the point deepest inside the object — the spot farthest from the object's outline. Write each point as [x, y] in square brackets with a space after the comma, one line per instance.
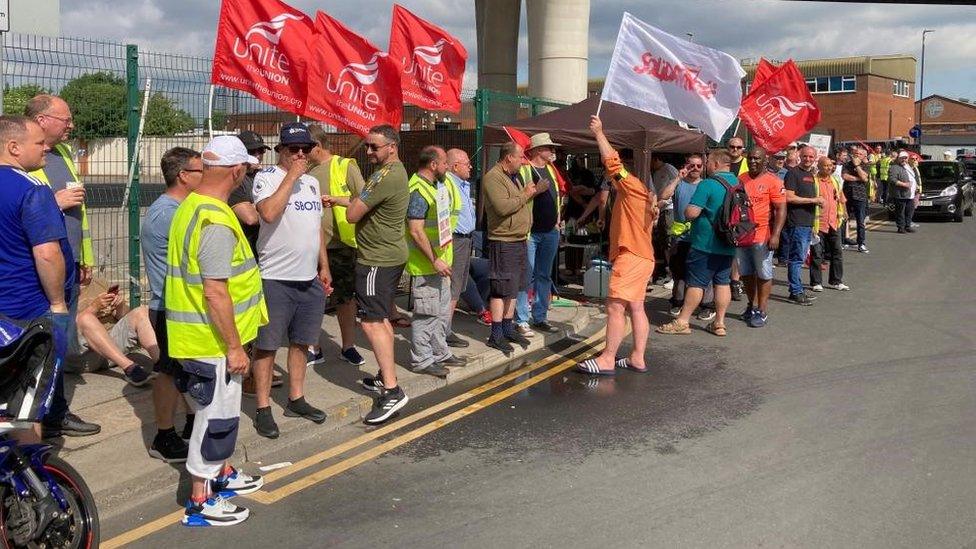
[763, 71]
[780, 109]
[262, 49]
[352, 84]
[432, 60]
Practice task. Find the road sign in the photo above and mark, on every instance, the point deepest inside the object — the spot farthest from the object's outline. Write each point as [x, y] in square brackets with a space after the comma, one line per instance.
[4, 15]
[915, 132]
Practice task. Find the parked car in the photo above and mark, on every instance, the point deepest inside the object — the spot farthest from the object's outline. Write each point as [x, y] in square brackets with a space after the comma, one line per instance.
[947, 189]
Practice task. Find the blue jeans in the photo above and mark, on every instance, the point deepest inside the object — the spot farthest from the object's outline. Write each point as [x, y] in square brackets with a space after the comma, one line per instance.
[62, 326]
[856, 211]
[799, 245]
[543, 248]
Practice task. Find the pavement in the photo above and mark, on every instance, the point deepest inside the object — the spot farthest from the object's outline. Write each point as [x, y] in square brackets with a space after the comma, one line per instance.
[126, 414]
[844, 424]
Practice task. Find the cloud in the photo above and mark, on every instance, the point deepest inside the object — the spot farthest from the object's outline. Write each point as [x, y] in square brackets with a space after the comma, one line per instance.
[773, 28]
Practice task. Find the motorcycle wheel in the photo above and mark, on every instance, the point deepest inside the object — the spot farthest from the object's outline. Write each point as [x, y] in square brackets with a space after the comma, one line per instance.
[80, 530]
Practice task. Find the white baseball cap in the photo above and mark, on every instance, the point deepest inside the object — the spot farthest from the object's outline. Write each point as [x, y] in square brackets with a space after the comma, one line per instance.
[903, 154]
[226, 150]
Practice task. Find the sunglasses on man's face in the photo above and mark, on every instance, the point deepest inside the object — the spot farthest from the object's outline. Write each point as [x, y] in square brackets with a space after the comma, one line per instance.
[375, 147]
[736, 147]
[694, 166]
[755, 159]
[294, 149]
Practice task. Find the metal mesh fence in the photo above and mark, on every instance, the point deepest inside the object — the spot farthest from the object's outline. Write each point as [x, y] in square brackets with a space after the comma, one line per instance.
[94, 77]
[90, 75]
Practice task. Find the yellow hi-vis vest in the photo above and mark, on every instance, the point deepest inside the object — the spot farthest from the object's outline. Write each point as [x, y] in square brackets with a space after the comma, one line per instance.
[190, 330]
[338, 168]
[526, 173]
[417, 262]
[87, 255]
[840, 210]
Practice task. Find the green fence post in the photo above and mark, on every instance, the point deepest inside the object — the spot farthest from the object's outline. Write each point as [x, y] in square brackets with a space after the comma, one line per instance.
[132, 103]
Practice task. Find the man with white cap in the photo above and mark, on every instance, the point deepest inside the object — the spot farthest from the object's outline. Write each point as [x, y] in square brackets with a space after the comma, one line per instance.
[903, 185]
[214, 306]
[295, 273]
[543, 240]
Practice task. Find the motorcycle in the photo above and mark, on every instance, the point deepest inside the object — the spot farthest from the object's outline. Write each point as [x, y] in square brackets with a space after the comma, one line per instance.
[44, 502]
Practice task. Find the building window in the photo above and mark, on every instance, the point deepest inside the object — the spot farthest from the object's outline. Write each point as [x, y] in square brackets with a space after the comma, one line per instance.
[900, 88]
[832, 84]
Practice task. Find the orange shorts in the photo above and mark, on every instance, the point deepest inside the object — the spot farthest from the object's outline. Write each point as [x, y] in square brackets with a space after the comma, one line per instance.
[628, 279]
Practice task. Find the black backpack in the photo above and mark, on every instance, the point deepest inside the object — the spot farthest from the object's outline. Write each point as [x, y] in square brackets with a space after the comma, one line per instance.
[735, 223]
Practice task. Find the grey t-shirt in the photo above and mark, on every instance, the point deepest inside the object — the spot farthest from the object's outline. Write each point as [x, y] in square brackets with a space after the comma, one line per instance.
[155, 241]
[58, 175]
[216, 251]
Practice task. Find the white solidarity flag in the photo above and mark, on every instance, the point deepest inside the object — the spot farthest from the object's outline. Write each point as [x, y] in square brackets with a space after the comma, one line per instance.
[658, 73]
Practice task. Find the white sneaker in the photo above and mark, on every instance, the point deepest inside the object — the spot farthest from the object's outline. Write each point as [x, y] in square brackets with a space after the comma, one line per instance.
[524, 329]
[705, 315]
[863, 249]
[216, 511]
[841, 287]
[236, 484]
[817, 288]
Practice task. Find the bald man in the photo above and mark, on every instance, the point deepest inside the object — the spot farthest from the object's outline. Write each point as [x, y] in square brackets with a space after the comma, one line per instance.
[459, 171]
[737, 150]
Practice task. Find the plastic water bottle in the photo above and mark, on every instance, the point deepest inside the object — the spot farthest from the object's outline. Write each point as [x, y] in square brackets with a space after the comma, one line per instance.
[596, 279]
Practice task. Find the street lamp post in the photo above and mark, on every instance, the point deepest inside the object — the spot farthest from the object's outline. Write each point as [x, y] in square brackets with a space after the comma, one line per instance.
[921, 91]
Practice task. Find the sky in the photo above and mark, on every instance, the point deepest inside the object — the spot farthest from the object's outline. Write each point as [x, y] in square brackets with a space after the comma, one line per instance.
[777, 29]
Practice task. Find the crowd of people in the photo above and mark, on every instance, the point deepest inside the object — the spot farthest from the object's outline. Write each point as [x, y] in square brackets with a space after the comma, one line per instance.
[243, 257]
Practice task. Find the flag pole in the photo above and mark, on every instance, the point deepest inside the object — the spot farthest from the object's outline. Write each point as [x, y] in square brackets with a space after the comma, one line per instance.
[598, 107]
[210, 111]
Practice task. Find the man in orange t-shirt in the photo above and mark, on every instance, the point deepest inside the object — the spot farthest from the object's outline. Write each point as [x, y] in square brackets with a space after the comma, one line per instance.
[632, 255]
[767, 195]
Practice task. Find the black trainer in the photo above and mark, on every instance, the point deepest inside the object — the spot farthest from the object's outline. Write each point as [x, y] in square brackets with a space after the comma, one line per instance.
[137, 376]
[501, 345]
[387, 404]
[544, 327]
[454, 341]
[519, 339]
[70, 426]
[301, 408]
[801, 299]
[453, 361]
[264, 423]
[374, 384]
[169, 447]
[436, 370]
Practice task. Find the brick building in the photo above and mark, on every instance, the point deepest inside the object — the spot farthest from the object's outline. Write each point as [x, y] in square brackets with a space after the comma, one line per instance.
[868, 98]
[947, 124]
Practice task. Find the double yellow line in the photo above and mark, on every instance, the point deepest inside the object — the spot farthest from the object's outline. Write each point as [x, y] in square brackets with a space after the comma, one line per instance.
[266, 497]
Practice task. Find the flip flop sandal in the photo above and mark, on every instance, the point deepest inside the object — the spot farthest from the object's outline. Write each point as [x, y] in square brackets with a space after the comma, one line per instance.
[590, 367]
[624, 364]
[716, 329]
[674, 328]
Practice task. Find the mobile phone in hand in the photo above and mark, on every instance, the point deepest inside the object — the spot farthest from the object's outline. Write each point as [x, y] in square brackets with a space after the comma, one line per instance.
[114, 289]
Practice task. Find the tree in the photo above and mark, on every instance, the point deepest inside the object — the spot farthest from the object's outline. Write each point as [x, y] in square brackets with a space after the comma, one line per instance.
[219, 120]
[98, 104]
[15, 99]
[164, 118]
